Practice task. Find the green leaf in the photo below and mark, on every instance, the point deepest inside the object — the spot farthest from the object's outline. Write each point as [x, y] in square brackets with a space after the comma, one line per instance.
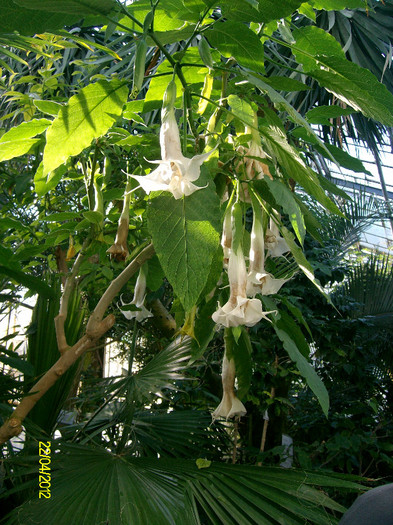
[337, 5]
[6, 256]
[322, 114]
[31, 21]
[61, 216]
[301, 261]
[7, 223]
[304, 367]
[241, 109]
[155, 274]
[10, 150]
[162, 21]
[162, 370]
[185, 236]
[49, 107]
[285, 197]
[17, 363]
[306, 10]
[237, 40]
[95, 217]
[345, 160]
[204, 329]
[203, 463]
[41, 185]
[351, 83]
[355, 86]
[88, 115]
[314, 41]
[281, 83]
[96, 486]
[294, 166]
[268, 10]
[29, 281]
[26, 130]
[183, 9]
[70, 7]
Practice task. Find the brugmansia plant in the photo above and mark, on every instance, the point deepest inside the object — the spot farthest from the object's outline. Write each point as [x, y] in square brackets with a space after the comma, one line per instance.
[220, 219]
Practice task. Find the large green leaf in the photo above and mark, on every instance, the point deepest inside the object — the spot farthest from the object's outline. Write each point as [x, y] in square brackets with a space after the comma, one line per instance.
[291, 340]
[237, 40]
[263, 11]
[17, 141]
[26, 130]
[185, 236]
[345, 160]
[87, 116]
[355, 86]
[107, 489]
[183, 9]
[95, 487]
[30, 21]
[312, 41]
[322, 58]
[322, 114]
[70, 7]
[337, 5]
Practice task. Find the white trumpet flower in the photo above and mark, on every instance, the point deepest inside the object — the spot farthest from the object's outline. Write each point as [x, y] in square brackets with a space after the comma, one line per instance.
[175, 172]
[258, 280]
[275, 244]
[230, 405]
[139, 298]
[239, 310]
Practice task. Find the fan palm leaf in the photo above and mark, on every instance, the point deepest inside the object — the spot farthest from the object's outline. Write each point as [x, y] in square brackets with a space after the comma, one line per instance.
[93, 486]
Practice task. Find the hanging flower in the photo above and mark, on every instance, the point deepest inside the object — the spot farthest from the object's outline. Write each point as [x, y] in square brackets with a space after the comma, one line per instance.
[226, 238]
[141, 313]
[175, 172]
[258, 280]
[239, 310]
[275, 244]
[230, 405]
[119, 249]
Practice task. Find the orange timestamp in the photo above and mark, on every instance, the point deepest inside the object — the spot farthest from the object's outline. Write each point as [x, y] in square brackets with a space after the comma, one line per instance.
[44, 471]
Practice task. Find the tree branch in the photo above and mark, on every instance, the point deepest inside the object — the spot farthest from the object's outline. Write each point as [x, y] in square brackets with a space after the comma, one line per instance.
[96, 328]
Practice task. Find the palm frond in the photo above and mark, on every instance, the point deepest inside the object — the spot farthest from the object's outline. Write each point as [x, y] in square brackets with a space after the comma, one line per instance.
[370, 285]
[94, 487]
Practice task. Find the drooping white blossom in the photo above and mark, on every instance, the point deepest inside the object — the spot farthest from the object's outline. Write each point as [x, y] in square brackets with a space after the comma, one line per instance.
[258, 280]
[138, 300]
[230, 405]
[275, 244]
[239, 309]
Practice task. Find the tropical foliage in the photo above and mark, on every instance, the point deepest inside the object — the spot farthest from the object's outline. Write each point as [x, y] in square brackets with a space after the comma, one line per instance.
[161, 190]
